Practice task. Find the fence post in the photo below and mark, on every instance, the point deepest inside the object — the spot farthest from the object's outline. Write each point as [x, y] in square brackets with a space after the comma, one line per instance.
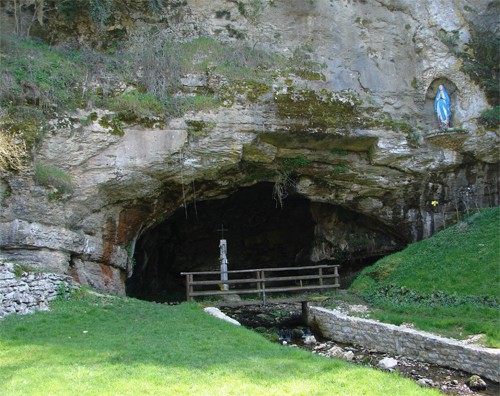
[305, 312]
[336, 273]
[320, 276]
[189, 286]
[262, 278]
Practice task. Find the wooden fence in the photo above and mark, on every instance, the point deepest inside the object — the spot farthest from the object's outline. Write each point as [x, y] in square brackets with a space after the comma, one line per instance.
[262, 281]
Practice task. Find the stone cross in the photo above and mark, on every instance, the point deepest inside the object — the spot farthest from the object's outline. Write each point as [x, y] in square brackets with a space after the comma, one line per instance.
[222, 229]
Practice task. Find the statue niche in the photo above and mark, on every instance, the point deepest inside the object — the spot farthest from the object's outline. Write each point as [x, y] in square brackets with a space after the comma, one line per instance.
[442, 107]
[440, 101]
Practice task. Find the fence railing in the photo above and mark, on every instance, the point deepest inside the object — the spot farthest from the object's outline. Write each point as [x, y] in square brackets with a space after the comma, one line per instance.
[262, 281]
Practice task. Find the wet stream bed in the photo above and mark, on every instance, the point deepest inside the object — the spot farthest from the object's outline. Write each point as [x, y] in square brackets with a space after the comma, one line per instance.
[283, 323]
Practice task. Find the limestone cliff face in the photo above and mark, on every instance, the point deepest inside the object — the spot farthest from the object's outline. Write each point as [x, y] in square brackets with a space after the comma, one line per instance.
[363, 138]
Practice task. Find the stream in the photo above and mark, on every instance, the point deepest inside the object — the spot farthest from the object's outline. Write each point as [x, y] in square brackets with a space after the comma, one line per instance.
[283, 323]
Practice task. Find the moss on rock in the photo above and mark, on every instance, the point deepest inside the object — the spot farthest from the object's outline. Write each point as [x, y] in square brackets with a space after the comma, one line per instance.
[322, 141]
[321, 110]
[261, 152]
[200, 127]
[113, 124]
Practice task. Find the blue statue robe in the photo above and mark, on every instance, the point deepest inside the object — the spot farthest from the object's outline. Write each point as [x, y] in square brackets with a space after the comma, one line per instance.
[442, 107]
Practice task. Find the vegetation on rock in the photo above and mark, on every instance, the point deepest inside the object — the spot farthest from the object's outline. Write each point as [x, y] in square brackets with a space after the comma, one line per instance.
[200, 127]
[41, 82]
[13, 153]
[481, 61]
[285, 177]
[483, 65]
[113, 123]
[35, 74]
[321, 110]
[133, 104]
[491, 118]
[49, 176]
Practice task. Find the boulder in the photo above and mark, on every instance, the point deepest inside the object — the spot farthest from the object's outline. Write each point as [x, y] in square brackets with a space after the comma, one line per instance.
[476, 383]
[221, 315]
[335, 352]
[426, 382]
[388, 363]
[309, 340]
[349, 355]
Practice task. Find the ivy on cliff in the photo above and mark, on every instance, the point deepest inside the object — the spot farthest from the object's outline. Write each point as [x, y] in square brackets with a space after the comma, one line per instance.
[481, 61]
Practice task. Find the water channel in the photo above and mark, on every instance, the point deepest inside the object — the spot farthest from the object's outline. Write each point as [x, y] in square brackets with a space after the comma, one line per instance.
[283, 323]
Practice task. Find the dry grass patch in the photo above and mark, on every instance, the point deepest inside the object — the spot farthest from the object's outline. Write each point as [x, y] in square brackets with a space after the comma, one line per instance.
[13, 153]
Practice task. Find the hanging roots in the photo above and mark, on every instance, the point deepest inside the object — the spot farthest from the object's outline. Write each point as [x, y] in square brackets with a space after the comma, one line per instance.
[282, 185]
[279, 193]
[181, 163]
[194, 202]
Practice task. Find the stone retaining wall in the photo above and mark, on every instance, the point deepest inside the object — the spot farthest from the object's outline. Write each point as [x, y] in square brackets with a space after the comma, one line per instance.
[404, 341]
[30, 291]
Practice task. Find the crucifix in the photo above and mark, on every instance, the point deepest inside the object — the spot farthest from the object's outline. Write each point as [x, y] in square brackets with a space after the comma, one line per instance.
[223, 259]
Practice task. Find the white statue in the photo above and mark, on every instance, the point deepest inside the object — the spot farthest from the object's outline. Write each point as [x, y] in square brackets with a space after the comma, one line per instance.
[223, 261]
[442, 108]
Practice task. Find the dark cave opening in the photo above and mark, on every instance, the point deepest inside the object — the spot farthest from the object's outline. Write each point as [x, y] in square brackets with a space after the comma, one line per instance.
[260, 235]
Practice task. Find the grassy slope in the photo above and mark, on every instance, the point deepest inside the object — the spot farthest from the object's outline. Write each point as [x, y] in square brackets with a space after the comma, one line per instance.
[461, 262]
[95, 346]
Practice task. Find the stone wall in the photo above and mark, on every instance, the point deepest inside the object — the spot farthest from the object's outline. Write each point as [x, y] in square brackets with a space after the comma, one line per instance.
[30, 291]
[404, 341]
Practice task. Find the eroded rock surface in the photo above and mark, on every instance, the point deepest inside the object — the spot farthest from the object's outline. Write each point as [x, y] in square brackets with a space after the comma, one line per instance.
[361, 140]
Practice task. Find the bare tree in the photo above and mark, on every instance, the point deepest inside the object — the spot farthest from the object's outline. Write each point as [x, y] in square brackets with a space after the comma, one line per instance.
[26, 13]
[158, 64]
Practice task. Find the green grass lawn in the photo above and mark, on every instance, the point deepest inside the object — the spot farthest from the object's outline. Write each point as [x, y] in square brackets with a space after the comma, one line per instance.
[120, 346]
[448, 283]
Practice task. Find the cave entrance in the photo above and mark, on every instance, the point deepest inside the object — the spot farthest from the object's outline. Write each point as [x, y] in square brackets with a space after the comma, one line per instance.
[260, 234]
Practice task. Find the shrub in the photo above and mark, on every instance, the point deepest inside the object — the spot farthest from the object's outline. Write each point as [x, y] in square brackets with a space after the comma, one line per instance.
[136, 104]
[178, 106]
[491, 118]
[484, 66]
[99, 11]
[159, 64]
